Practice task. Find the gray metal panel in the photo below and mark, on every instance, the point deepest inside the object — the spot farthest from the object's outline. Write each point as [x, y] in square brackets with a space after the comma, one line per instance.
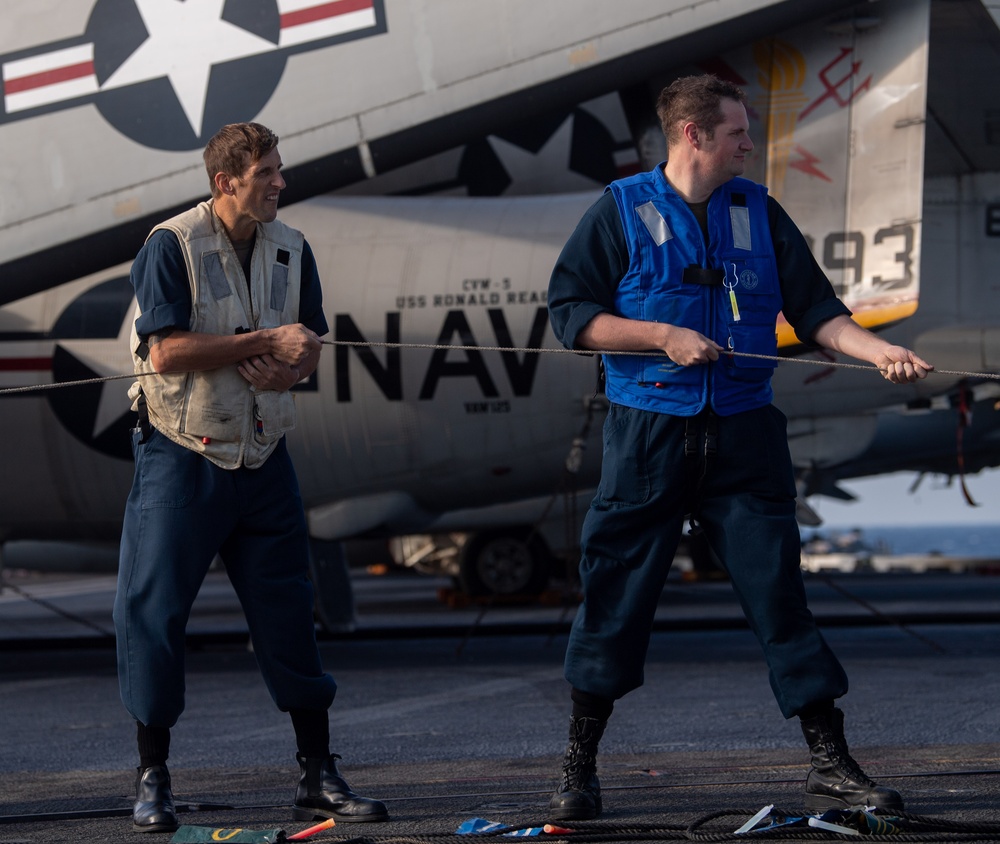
[963, 99]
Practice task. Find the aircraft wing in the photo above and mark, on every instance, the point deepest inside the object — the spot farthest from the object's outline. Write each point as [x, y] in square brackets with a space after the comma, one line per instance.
[107, 103]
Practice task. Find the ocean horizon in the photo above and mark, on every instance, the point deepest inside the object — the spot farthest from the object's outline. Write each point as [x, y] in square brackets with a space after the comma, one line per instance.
[962, 540]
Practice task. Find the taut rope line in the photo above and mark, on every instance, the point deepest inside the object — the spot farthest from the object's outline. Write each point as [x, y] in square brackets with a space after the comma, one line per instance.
[526, 350]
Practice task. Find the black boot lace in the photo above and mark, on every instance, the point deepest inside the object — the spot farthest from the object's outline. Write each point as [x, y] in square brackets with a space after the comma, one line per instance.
[841, 758]
[578, 769]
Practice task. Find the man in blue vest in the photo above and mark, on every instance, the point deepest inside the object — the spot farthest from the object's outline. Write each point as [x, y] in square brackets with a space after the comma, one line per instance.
[228, 319]
[692, 261]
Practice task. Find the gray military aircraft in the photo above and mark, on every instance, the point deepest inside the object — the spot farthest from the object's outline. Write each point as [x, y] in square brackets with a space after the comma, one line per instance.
[437, 158]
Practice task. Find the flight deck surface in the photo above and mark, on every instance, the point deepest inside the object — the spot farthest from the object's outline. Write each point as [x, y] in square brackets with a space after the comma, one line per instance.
[453, 713]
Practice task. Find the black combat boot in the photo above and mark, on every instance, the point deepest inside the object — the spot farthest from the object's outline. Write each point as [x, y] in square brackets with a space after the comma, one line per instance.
[154, 803]
[323, 793]
[578, 796]
[836, 781]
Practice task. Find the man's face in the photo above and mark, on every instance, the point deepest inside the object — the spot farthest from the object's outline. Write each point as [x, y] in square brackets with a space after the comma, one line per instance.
[726, 151]
[256, 191]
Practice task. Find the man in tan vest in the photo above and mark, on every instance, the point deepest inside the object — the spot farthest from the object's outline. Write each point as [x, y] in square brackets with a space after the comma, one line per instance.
[228, 319]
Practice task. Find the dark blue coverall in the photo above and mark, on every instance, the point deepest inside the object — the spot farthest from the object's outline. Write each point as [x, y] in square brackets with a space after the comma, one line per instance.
[742, 494]
[183, 510]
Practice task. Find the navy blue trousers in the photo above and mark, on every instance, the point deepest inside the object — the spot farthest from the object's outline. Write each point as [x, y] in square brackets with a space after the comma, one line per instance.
[743, 496]
[181, 512]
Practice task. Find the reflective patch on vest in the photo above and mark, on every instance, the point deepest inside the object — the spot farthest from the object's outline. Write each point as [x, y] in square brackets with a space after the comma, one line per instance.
[217, 282]
[740, 219]
[279, 286]
[654, 222]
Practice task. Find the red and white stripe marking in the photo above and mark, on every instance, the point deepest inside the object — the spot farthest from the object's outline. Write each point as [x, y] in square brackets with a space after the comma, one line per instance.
[25, 370]
[308, 20]
[68, 73]
[49, 78]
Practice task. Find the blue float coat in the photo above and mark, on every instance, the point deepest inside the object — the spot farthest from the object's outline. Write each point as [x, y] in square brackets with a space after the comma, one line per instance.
[732, 474]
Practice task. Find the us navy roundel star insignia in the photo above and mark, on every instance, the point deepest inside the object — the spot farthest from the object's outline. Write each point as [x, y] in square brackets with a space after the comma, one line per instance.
[91, 341]
[169, 73]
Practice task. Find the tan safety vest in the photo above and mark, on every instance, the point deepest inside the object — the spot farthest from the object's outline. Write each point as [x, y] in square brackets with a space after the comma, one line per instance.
[216, 412]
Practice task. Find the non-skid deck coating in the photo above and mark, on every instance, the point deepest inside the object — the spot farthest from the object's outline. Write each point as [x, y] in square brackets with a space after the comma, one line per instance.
[466, 722]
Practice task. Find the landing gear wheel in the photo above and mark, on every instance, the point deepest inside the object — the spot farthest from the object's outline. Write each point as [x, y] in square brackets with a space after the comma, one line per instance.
[504, 563]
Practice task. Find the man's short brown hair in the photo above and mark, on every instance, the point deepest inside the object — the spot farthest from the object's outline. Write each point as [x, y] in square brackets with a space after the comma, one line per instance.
[694, 99]
[234, 148]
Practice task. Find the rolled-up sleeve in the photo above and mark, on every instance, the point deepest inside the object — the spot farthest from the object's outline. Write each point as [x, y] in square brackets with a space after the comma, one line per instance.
[160, 278]
[311, 295]
[587, 272]
[808, 297]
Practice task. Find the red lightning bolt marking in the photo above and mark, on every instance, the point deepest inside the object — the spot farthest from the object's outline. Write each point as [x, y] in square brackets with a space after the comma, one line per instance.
[805, 164]
[833, 88]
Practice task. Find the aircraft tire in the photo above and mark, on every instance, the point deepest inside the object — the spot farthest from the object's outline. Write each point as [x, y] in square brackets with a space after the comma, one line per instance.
[504, 562]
